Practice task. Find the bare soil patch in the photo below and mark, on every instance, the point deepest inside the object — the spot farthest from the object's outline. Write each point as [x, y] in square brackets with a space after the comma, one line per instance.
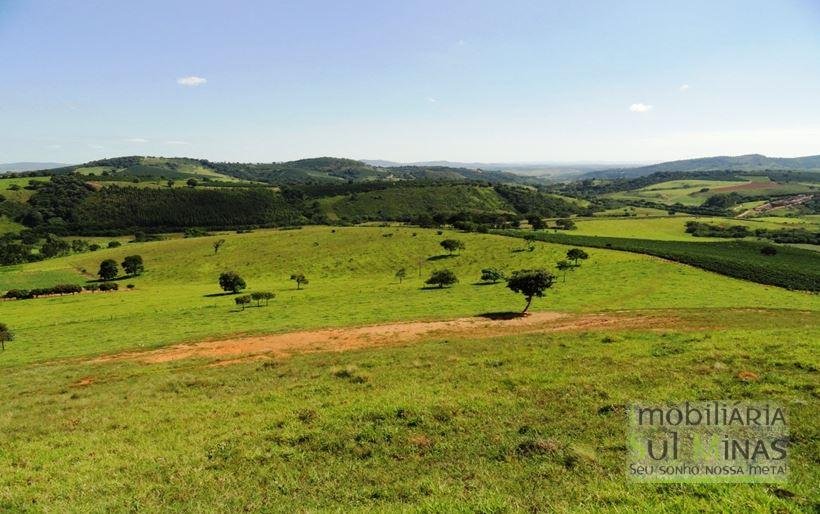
[749, 186]
[243, 349]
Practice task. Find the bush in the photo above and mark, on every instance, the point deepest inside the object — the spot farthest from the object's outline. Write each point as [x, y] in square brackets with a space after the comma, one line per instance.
[441, 278]
[109, 286]
[114, 244]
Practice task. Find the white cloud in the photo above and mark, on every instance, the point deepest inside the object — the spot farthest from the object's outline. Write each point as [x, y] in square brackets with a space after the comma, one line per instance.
[136, 140]
[191, 81]
[54, 147]
[431, 100]
[684, 88]
[177, 143]
[95, 146]
[461, 42]
[640, 107]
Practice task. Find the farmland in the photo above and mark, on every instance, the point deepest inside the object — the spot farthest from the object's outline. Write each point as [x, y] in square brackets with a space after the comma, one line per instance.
[284, 430]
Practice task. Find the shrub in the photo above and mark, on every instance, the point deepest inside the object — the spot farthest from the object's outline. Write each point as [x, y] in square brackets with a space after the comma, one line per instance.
[441, 278]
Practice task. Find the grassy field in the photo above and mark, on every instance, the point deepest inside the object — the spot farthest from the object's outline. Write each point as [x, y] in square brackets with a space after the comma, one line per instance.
[695, 192]
[671, 228]
[20, 195]
[520, 423]
[525, 422]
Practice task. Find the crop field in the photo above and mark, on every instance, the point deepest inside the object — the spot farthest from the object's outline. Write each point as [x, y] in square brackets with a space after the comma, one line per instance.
[471, 414]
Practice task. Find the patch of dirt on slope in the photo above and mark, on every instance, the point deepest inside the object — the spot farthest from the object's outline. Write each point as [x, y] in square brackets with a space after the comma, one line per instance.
[230, 351]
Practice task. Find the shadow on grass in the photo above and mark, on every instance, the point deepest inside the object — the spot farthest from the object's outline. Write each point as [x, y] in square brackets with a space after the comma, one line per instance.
[440, 257]
[501, 315]
[485, 283]
[215, 295]
[432, 288]
[118, 279]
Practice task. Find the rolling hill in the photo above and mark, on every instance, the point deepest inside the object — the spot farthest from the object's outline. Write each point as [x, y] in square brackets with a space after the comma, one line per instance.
[751, 162]
[314, 170]
[12, 167]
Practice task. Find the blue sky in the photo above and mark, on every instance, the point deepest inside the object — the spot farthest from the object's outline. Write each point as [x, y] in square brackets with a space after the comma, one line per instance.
[422, 80]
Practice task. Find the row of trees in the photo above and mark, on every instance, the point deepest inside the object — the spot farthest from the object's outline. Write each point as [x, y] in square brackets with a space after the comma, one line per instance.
[529, 282]
[59, 289]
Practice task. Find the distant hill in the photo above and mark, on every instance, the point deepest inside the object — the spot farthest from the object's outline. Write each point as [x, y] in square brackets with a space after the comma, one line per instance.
[29, 166]
[315, 170]
[751, 162]
[550, 170]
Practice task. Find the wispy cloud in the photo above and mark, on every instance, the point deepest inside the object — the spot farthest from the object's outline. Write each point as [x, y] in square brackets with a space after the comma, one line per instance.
[174, 142]
[431, 100]
[684, 88]
[191, 81]
[640, 107]
[54, 147]
[95, 146]
[136, 140]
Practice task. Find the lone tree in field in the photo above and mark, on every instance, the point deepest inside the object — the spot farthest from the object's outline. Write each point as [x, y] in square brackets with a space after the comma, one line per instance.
[768, 251]
[564, 266]
[452, 245]
[170, 183]
[492, 275]
[536, 222]
[133, 265]
[108, 269]
[5, 335]
[530, 283]
[300, 279]
[262, 295]
[441, 278]
[530, 239]
[243, 301]
[401, 274]
[217, 245]
[230, 281]
[565, 224]
[576, 254]
[192, 182]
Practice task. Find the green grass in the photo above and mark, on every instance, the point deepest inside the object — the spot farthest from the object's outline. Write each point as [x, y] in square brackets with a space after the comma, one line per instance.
[7, 225]
[403, 202]
[668, 228]
[793, 268]
[514, 423]
[521, 423]
[690, 192]
[21, 195]
[686, 192]
[351, 273]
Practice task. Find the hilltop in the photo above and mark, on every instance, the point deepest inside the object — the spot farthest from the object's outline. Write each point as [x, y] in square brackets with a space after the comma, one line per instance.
[313, 170]
[751, 162]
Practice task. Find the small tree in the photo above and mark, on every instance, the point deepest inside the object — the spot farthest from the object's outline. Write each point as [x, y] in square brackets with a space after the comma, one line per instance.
[452, 245]
[576, 254]
[492, 275]
[192, 182]
[300, 279]
[768, 251]
[243, 301]
[536, 222]
[108, 269]
[442, 278]
[5, 335]
[170, 183]
[530, 283]
[564, 266]
[401, 274]
[133, 265]
[231, 281]
[217, 245]
[530, 239]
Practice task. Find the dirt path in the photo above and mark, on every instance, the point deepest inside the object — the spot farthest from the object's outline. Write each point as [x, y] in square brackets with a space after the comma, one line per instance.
[229, 351]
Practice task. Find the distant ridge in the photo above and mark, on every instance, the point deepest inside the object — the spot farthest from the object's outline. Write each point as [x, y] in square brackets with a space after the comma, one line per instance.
[750, 162]
[9, 167]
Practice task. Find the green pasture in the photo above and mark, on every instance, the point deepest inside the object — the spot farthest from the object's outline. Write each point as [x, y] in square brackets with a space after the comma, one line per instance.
[351, 272]
[526, 423]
